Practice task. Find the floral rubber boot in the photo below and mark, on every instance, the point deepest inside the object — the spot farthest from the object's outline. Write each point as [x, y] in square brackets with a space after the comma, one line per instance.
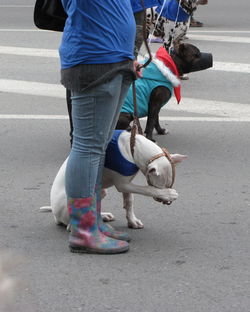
[85, 236]
[107, 229]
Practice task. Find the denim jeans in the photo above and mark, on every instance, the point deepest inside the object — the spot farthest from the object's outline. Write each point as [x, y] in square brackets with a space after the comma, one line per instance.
[95, 113]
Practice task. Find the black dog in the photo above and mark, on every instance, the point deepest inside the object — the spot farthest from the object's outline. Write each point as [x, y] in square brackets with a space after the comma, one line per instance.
[155, 88]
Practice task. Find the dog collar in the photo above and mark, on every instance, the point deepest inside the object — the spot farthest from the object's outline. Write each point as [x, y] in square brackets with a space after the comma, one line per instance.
[167, 155]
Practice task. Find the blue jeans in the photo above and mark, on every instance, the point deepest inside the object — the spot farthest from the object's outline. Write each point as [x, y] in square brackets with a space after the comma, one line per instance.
[94, 113]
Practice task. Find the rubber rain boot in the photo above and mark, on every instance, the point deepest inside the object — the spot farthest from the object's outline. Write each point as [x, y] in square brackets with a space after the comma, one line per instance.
[85, 236]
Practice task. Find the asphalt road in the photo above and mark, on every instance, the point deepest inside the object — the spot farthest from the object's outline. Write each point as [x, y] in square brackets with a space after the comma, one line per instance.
[192, 256]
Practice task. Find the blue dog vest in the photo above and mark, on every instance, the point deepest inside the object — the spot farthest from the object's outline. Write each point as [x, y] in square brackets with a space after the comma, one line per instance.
[151, 79]
[114, 160]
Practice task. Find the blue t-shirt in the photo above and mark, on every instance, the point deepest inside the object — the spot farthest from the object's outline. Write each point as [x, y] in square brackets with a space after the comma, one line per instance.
[97, 32]
[170, 11]
[137, 4]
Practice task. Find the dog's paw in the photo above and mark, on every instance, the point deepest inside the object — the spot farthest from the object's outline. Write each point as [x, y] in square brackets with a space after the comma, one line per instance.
[135, 223]
[166, 196]
[162, 131]
[107, 216]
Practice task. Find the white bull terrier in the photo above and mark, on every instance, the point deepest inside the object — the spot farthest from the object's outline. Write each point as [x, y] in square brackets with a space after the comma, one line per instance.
[148, 157]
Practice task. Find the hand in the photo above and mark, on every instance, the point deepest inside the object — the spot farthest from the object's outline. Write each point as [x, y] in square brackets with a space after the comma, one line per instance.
[137, 69]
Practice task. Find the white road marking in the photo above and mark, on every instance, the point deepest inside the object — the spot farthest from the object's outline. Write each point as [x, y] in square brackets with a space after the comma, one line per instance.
[207, 119]
[220, 31]
[231, 67]
[230, 39]
[23, 30]
[214, 110]
[209, 107]
[190, 105]
[15, 6]
[171, 118]
[32, 117]
[28, 51]
[32, 88]
[21, 51]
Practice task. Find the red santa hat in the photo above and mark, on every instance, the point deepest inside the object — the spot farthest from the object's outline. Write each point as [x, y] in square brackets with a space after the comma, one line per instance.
[168, 68]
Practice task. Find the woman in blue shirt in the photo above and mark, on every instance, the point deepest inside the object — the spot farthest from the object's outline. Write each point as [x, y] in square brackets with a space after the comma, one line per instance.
[96, 54]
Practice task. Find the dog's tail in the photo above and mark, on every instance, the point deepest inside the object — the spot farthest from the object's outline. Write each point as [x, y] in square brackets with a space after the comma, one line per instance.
[46, 209]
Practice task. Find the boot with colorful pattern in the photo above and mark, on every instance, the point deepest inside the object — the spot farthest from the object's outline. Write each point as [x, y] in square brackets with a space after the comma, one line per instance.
[85, 236]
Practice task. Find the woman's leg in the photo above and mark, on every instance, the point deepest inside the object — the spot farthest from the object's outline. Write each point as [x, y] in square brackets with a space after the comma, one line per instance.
[106, 228]
[93, 113]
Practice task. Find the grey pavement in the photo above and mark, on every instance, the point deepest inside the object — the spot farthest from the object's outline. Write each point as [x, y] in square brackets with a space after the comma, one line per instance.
[192, 256]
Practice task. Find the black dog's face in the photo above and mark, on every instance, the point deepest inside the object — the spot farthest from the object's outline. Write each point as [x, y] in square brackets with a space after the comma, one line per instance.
[188, 58]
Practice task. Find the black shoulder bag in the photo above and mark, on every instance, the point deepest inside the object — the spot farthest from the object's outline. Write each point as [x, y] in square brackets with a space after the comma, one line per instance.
[49, 15]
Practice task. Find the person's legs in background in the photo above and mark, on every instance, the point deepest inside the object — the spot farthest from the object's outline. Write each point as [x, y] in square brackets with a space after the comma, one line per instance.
[194, 22]
[139, 20]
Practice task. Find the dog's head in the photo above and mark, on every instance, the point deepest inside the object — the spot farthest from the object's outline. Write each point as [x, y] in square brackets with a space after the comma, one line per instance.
[160, 172]
[188, 58]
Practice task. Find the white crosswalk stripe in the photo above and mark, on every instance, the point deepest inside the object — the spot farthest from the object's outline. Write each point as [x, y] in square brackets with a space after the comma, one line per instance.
[191, 31]
[230, 39]
[216, 110]
[169, 118]
[32, 88]
[219, 66]
[15, 6]
[28, 51]
[209, 107]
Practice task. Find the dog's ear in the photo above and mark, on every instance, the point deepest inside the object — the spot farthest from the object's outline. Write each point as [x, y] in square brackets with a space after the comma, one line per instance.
[153, 170]
[177, 158]
[181, 49]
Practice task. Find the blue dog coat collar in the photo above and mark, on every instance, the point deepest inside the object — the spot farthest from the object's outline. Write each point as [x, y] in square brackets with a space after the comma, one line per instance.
[114, 159]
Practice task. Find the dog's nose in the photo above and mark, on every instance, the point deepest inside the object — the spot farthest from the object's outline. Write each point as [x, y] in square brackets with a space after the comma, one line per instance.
[205, 61]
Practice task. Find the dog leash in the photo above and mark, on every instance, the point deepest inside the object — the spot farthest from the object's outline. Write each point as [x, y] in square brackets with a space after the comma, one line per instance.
[136, 127]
